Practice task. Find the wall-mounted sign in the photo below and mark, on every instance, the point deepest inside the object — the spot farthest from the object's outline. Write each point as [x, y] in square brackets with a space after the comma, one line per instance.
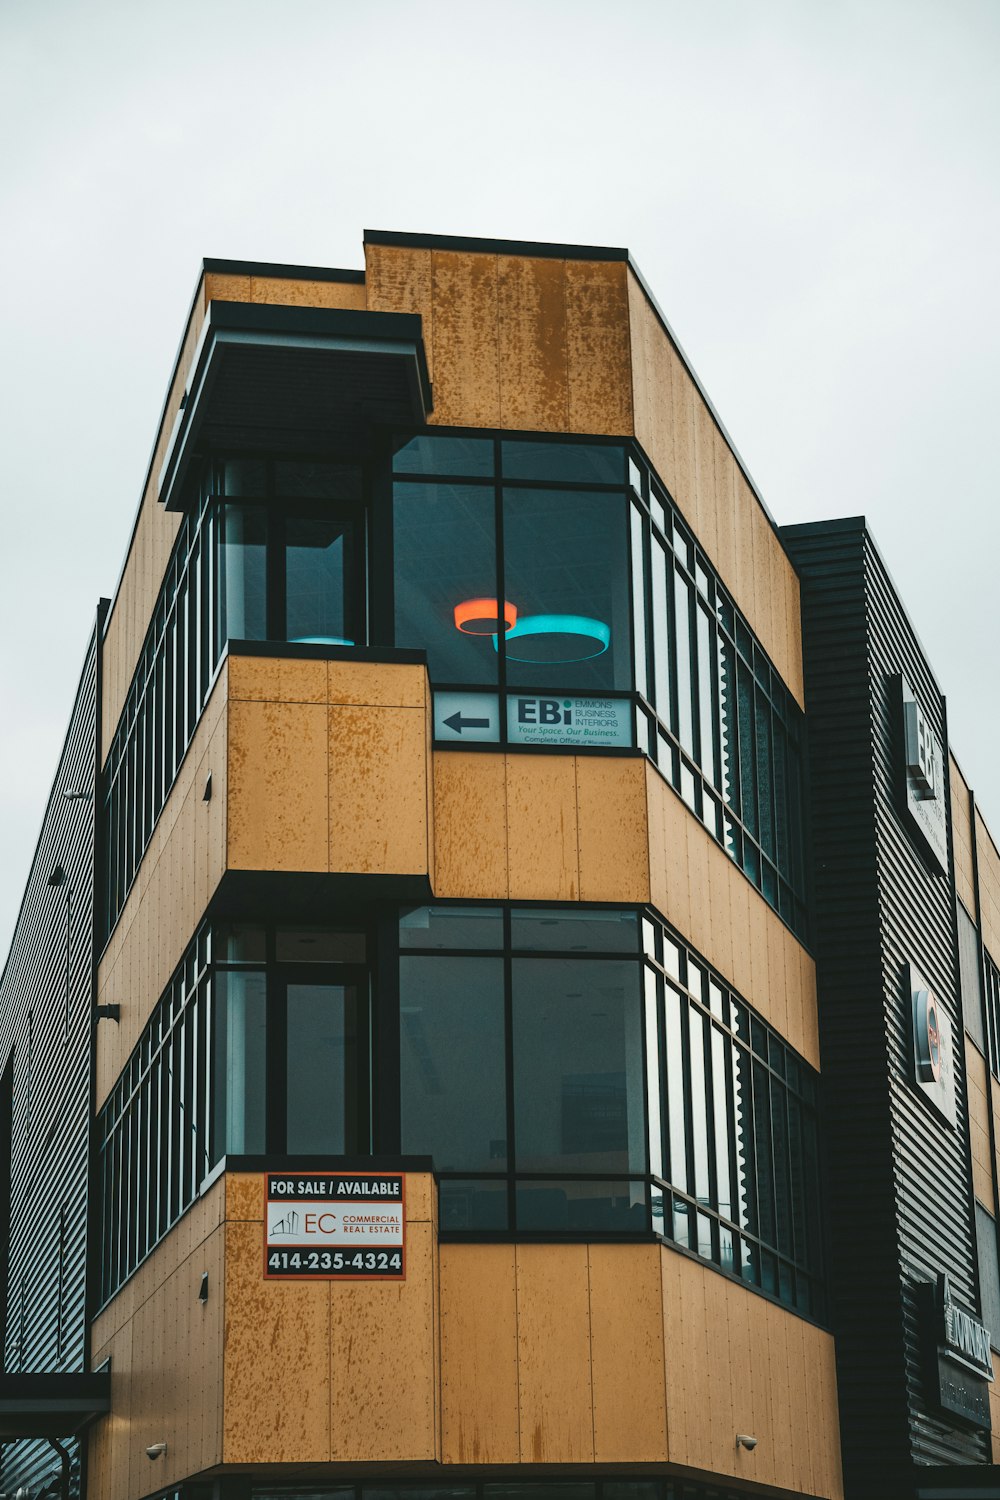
[464, 717]
[933, 1069]
[960, 1359]
[533, 720]
[925, 779]
[335, 1226]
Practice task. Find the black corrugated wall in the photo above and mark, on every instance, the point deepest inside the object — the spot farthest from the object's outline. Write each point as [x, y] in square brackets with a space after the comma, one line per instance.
[46, 1001]
[901, 1207]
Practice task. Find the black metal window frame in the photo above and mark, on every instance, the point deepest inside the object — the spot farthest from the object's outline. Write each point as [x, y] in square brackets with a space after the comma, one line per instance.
[759, 818]
[773, 1236]
[991, 992]
[157, 1149]
[184, 648]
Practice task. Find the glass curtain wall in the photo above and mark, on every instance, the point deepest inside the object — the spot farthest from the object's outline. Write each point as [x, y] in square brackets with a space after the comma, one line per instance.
[562, 600]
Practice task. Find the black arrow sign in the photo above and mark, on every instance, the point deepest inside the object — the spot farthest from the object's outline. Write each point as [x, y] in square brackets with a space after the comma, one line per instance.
[457, 723]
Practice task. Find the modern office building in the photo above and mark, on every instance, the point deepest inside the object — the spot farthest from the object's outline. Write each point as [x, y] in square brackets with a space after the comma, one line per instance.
[506, 1002]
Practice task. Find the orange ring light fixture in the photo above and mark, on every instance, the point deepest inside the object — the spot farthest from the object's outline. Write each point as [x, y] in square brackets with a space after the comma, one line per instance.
[482, 616]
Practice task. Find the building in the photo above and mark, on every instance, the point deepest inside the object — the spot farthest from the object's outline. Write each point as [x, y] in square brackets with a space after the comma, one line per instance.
[505, 1005]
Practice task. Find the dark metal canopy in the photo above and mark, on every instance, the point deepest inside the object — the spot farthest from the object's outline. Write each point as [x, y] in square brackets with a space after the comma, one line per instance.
[59, 1405]
[295, 378]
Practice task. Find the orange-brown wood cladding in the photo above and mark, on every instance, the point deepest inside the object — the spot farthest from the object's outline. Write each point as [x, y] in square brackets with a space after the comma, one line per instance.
[486, 1354]
[165, 1347]
[684, 444]
[523, 342]
[962, 836]
[179, 872]
[329, 767]
[989, 887]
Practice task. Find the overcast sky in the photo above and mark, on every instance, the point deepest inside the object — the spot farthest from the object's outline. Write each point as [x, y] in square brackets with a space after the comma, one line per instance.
[810, 188]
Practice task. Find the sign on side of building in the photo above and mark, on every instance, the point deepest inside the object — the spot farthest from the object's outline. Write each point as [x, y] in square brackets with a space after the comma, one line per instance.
[335, 1226]
[924, 773]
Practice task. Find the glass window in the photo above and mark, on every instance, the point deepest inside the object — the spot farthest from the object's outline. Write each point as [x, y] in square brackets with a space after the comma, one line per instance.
[565, 930]
[452, 1062]
[989, 1272]
[326, 1043]
[578, 1086]
[479, 927]
[473, 1203]
[446, 579]
[318, 566]
[566, 564]
[572, 463]
[313, 479]
[242, 574]
[972, 992]
[578, 1205]
[471, 457]
[240, 1053]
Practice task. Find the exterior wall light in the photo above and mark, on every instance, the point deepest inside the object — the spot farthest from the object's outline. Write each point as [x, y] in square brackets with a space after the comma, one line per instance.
[483, 616]
[320, 640]
[155, 1450]
[746, 1440]
[561, 639]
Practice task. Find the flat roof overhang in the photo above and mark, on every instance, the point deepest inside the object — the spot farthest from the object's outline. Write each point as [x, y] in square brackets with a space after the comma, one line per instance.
[58, 1405]
[291, 379]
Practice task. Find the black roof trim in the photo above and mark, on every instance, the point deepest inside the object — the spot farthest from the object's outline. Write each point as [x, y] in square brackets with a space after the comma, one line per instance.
[280, 271]
[541, 248]
[344, 322]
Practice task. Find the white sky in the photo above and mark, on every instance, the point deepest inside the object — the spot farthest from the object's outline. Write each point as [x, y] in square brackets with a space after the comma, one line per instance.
[810, 188]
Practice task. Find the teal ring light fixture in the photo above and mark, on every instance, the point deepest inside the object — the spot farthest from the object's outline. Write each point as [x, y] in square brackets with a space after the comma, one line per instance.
[320, 640]
[581, 626]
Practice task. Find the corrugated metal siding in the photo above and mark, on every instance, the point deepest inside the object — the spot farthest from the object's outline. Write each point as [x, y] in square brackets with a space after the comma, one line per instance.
[46, 999]
[900, 1188]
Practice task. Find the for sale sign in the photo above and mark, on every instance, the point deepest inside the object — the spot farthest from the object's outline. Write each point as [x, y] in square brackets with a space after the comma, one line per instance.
[335, 1226]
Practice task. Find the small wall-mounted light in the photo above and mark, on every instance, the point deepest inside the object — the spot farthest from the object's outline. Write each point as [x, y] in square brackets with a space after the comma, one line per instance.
[84, 794]
[203, 1289]
[746, 1440]
[156, 1450]
[58, 876]
[206, 795]
[107, 1012]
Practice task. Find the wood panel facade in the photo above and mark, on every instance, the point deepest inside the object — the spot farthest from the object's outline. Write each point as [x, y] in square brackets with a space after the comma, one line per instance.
[487, 1356]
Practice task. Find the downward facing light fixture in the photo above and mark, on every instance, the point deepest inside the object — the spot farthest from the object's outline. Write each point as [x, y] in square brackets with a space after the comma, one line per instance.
[484, 616]
[544, 639]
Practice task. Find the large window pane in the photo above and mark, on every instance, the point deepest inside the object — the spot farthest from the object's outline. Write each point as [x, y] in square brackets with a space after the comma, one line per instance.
[475, 927]
[325, 1048]
[318, 563]
[677, 1169]
[445, 557]
[572, 463]
[452, 1062]
[470, 457]
[563, 929]
[578, 1086]
[240, 1051]
[242, 574]
[685, 696]
[566, 562]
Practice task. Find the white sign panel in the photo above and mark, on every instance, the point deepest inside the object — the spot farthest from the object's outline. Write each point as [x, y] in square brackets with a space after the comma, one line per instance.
[925, 782]
[461, 717]
[933, 1064]
[335, 1225]
[568, 721]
